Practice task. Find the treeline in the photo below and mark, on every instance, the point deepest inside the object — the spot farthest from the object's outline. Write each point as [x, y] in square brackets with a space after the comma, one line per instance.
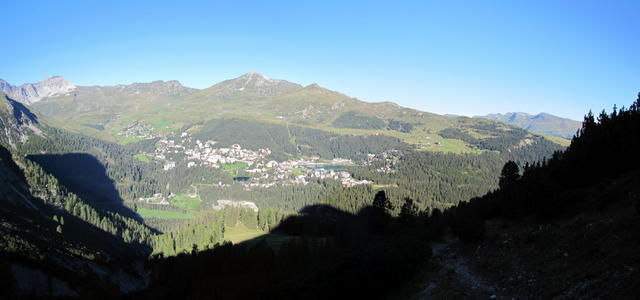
[604, 148]
[312, 142]
[400, 126]
[354, 120]
[208, 229]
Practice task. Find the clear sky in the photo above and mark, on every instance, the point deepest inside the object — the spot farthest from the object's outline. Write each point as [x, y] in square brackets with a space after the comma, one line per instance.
[560, 57]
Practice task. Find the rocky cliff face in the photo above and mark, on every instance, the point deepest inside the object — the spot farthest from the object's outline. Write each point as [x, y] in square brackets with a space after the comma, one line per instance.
[29, 93]
[17, 122]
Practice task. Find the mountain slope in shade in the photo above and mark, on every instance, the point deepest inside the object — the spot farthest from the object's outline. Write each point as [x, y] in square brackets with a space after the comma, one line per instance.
[17, 122]
[46, 252]
[542, 123]
[29, 93]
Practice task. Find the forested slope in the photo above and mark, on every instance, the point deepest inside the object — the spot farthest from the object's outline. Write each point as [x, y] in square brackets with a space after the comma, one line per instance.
[567, 226]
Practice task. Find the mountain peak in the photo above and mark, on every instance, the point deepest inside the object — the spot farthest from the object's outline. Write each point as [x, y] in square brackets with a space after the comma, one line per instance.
[55, 78]
[255, 74]
[257, 79]
[255, 83]
[29, 93]
[56, 84]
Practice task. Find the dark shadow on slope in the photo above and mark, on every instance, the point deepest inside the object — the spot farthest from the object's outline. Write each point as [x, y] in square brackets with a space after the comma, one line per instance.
[323, 253]
[86, 177]
[20, 111]
[39, 238]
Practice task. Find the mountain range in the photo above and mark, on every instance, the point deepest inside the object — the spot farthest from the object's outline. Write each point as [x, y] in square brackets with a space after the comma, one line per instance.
[29, 93]
[105, 111]
[542, 123]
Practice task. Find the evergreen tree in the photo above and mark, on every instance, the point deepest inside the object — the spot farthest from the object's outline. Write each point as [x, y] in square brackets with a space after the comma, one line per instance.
[510, 173]
[381, 203]
[409, 210]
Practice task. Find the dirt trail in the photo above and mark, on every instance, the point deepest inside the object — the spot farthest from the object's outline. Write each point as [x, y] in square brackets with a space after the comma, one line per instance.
[456, 272]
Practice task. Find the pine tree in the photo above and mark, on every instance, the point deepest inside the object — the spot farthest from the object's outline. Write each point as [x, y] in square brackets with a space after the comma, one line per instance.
[382, 203]
[510, 173]
[409, 210]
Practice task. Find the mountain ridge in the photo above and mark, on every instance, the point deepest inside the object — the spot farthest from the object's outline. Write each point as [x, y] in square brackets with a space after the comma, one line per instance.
[105, 111]
[29, 93]
[544, 123]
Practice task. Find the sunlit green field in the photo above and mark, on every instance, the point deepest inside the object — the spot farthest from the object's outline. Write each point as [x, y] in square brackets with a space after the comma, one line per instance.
[185, 202]
[241, 233]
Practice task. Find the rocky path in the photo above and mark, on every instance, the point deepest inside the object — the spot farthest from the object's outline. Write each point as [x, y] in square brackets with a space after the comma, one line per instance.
[456, 277]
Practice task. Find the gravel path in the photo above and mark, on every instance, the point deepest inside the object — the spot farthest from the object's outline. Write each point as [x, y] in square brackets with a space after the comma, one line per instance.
[455, 268]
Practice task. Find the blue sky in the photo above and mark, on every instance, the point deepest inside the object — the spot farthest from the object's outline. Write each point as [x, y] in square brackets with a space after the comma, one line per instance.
[560, 57]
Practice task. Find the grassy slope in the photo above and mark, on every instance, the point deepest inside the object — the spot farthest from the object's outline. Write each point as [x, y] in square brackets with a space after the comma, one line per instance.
[312, 107]
[241, 233]
[185, 202]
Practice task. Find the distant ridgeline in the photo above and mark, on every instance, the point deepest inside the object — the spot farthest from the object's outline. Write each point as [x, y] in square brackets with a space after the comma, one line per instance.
[541, 123]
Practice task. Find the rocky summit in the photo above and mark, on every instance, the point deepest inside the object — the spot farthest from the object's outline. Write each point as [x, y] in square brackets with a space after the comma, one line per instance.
[29, 93]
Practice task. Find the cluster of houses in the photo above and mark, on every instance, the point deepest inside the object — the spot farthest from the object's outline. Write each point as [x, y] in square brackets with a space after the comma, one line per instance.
[258, 171]
[389, 158]
[281, 174]
[139, 130]
[205, 153]
[156, 199]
